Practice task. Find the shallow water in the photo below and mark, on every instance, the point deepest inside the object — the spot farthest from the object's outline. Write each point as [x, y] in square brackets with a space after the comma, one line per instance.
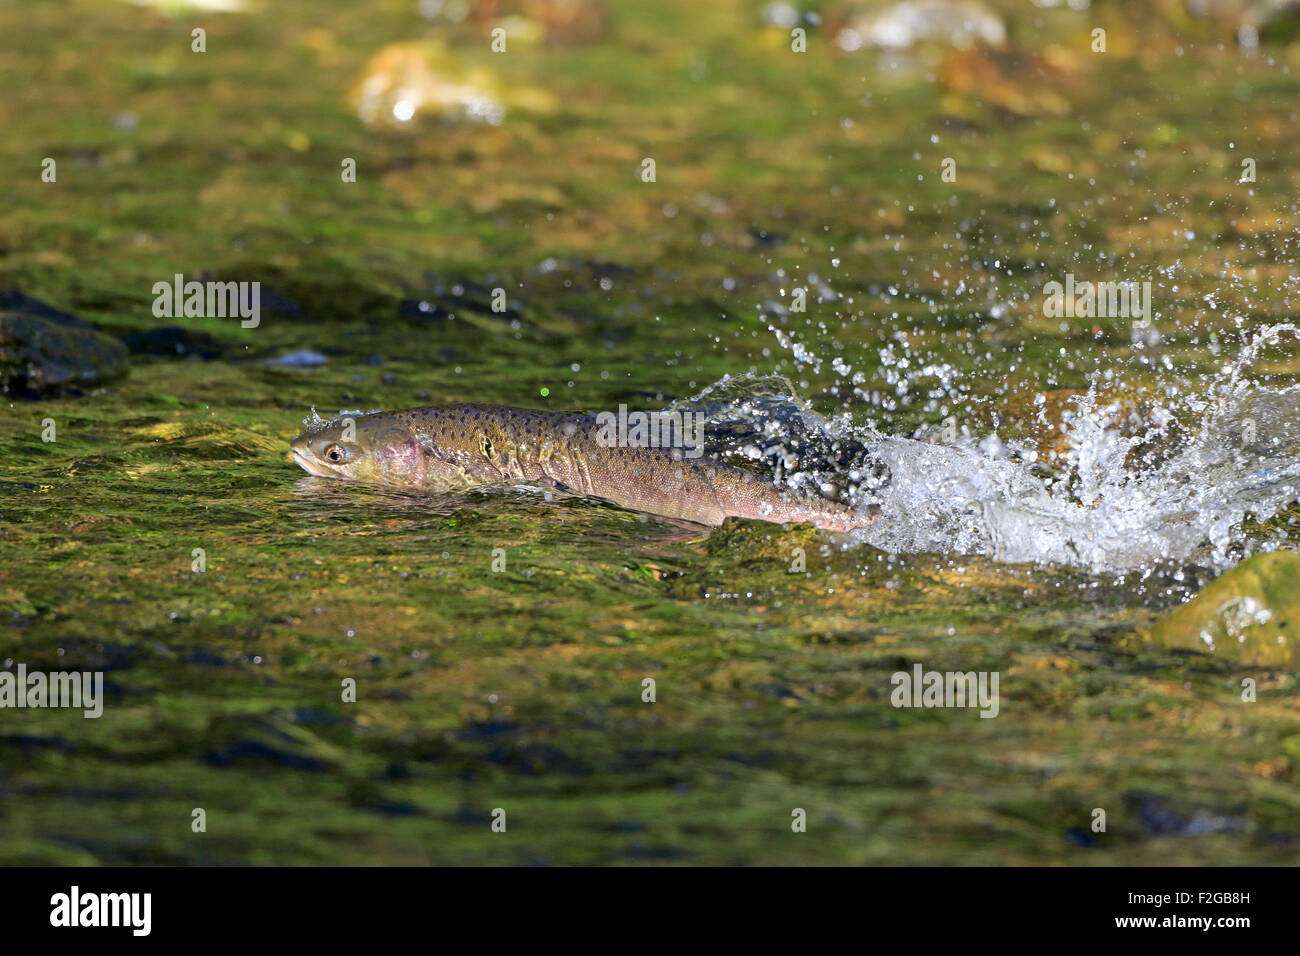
[1050, 486]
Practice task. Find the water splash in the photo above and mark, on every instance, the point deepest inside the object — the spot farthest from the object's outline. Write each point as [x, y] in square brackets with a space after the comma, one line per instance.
[1175, 490]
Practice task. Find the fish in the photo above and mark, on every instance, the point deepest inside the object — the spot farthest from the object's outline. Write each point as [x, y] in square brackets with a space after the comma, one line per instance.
[467, 446]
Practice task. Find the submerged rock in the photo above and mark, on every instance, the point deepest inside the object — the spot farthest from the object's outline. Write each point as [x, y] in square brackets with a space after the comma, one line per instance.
[953, 23]
[406, 81]
[43, 350]
[175, 341]
[1249, 615]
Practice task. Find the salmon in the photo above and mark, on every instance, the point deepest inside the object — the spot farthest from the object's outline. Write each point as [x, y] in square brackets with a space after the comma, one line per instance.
[468, 446]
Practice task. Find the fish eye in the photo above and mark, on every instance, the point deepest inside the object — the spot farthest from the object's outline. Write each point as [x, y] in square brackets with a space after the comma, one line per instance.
[336, 454]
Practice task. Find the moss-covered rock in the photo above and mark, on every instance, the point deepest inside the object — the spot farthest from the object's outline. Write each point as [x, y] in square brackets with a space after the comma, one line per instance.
[43, 350]
[1249, 615]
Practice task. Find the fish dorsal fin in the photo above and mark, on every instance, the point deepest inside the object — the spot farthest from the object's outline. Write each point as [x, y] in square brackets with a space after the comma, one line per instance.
[315, 424]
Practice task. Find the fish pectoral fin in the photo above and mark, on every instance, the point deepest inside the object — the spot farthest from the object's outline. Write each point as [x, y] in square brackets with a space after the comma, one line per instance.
[559, 486]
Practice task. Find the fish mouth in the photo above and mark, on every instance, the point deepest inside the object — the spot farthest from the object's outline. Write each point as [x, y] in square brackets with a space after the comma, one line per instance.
[309, 466]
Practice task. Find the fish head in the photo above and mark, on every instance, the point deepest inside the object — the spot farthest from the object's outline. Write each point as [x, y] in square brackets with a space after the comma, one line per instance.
[433, 449]
[363, 446]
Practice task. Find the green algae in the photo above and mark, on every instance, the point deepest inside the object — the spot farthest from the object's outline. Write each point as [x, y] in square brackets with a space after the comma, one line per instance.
[522, 689]
[1250, 614]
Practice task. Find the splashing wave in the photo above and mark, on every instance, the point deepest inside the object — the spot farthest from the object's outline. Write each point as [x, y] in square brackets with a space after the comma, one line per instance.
[1178, 490]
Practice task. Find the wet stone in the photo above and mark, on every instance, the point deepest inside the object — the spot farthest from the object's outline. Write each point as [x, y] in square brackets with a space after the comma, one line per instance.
[44, 351]
[173, 340]
[1249, 615]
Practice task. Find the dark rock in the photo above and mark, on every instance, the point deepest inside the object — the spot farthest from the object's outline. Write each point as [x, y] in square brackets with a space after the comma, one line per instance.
[11, 300]
[43, 350]
[423, 310]
[35, 744]
[1080, 837]
[176, 341]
